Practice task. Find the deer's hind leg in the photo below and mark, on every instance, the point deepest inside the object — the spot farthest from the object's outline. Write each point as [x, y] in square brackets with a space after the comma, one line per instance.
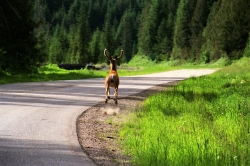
[107, 93]
[116, 95]
[116, 84]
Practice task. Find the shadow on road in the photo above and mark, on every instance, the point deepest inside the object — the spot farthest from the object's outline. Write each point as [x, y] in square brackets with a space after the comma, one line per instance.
[23, 152]
[76, 92]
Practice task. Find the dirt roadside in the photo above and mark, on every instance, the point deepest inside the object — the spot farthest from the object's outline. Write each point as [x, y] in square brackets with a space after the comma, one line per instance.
[97, 127]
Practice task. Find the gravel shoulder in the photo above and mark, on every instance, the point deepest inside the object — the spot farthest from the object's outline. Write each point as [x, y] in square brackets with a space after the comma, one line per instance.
[97, 127]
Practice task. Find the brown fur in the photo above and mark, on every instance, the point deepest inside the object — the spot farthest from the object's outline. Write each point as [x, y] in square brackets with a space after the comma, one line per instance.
[112, 79]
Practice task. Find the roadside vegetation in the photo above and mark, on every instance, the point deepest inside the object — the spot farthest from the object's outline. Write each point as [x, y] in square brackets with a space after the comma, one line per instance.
[201, 121]
[50, 72]
[138, 65]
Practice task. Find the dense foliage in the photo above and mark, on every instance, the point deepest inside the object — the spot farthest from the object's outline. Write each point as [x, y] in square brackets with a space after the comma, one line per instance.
[19, 43]
[77, 31]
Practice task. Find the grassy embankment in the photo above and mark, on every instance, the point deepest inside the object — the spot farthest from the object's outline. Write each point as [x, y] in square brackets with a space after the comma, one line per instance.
[138, 65]
[202, 121]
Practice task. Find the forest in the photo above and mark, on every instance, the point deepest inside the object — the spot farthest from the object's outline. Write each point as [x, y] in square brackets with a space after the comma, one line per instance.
[36, 32]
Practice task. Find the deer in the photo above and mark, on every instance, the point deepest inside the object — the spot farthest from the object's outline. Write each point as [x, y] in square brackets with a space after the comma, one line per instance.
[112, 79]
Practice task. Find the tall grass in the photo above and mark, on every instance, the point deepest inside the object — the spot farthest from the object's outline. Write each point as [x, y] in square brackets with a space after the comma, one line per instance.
[201, 121]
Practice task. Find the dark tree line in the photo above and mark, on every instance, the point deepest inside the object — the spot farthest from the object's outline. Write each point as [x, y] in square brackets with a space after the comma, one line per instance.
[19, 43]
[77, 31]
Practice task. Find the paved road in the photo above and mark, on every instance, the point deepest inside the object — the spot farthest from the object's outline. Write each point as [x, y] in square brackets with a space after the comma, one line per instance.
[38, 120]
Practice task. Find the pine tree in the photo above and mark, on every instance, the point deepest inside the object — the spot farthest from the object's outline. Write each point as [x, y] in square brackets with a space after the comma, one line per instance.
[125, 33]
[149, 23]
[55, 49]
[170, 32]
[71, 17]
[161, 36]
[165, 29]
[18, 42]
[227, 29]
[153, 23]
[83, 33]
[64, 44]
[182, 31]
[95, 46]
[247, 48]
[143, 36]
[198, 23]
[40, 32]
[73, 45]
[109, 35]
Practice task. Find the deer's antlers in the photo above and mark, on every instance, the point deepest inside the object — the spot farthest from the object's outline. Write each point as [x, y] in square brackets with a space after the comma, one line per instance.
[105, 54]
[109, 57]
[120, 55]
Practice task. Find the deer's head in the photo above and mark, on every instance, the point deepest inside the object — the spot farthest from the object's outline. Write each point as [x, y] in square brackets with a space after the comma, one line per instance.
[113, 63]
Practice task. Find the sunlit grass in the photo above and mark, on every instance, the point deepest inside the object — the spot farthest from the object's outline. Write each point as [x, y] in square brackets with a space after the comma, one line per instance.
[201, 121]
[51, 72]
[138, 66]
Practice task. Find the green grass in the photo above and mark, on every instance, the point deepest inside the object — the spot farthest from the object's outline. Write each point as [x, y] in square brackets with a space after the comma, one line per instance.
[201, 121]
[51, 73]
[138, 65]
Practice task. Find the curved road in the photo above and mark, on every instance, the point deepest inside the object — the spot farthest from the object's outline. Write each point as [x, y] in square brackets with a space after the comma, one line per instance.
[38, 120]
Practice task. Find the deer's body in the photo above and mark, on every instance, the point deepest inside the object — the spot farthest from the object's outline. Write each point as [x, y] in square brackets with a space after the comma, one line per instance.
[112, 79]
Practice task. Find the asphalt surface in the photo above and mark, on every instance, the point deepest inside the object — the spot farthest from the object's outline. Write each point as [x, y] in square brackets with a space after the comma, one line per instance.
[38, 120]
